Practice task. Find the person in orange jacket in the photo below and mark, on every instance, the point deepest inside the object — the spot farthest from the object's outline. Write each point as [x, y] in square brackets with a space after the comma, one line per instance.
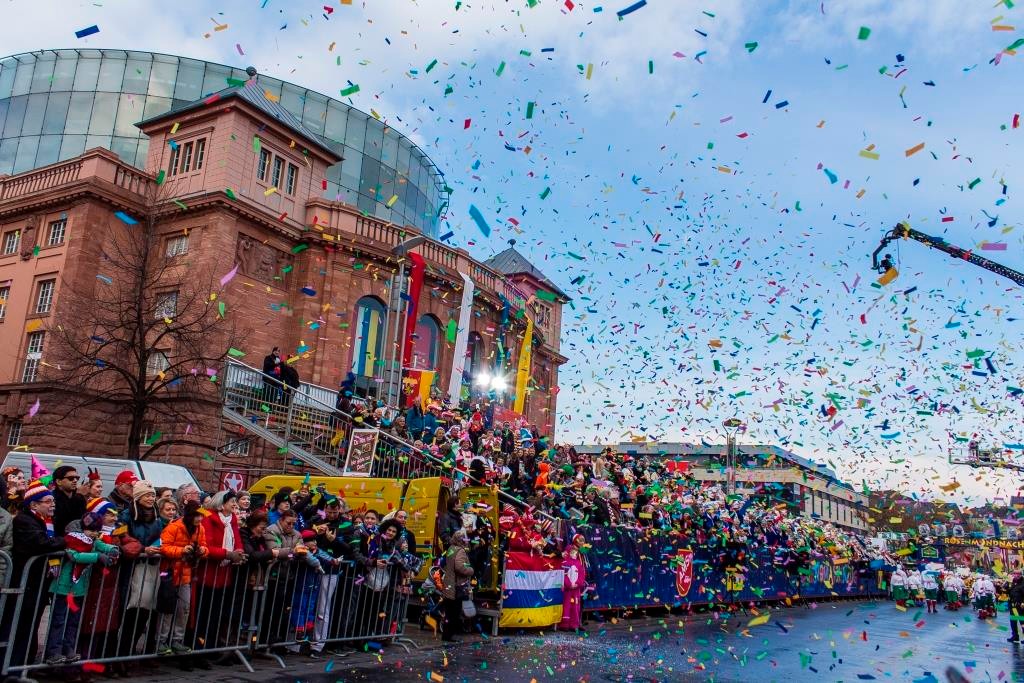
[182, 544]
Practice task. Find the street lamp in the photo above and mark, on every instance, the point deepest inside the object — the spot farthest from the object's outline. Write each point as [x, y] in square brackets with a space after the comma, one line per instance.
[734, 424]
[398, 285]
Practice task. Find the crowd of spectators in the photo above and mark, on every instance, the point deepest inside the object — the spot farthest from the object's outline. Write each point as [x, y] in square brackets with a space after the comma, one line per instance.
[159, 571]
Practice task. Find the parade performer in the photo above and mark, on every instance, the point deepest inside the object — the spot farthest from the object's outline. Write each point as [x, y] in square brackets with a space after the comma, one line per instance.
[915, 587]
[931, 591]
[954, 591]
[572, 587]
[983, 593]
[899, 586]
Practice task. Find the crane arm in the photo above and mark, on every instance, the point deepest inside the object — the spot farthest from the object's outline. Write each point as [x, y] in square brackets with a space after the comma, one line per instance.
[903, 231]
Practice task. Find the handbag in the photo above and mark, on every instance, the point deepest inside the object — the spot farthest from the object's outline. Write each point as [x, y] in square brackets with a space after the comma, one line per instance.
[468, 608]
[377, 579]
[166, 596]
[143, 587]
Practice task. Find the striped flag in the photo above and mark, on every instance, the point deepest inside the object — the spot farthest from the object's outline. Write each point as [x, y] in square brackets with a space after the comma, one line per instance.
[532, 594]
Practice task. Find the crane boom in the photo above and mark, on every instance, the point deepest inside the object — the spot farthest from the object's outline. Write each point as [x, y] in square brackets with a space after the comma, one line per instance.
[904, 231]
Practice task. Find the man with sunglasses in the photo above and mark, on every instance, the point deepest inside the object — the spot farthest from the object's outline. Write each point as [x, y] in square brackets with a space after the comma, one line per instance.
[69, 503]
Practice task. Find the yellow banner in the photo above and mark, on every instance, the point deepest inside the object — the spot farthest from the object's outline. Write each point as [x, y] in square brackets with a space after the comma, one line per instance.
[523, 372]
[426, 381]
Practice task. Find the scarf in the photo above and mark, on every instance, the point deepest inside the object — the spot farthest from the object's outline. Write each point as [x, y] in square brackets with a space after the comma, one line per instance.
[48, 521]
[78, 542]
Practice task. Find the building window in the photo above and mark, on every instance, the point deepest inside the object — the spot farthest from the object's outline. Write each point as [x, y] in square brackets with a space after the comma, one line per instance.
[172, 168]
[56, 235]
[425, 345]
[4, 293]
[186, 158]
[177, 245]
[33, 356]
[293, 178]
[166, 305]
[368, 345]
[11, 241]
[261, 169]
[44, 300]
[14, 433]
[275, 179]
[200, 153]
[157, 363]
[239, 448]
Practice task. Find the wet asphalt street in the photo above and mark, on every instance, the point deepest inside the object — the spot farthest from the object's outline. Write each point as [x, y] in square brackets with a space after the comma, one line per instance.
[846, 641]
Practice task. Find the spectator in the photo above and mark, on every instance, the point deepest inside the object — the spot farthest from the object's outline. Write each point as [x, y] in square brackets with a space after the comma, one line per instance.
[183, 545]
[272, 377]
[145, 525]
[450, 522]
[83, 549]
[279, 504]
[244, 506]
[121, 496]
[457, 576]
[68, 502]
[218, 571]
[92, 486]
[33, 537]
[15, 482]
[187, 493]
[290, 379]
[167, 509]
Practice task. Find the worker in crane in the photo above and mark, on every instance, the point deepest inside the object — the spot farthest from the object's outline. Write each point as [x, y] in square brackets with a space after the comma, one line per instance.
[886, 264]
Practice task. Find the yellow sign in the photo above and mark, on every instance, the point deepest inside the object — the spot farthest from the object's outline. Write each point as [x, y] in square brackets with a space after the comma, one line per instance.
[1001, 543]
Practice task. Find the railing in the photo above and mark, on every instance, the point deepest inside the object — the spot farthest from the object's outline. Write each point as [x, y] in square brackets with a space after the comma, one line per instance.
[322, 431]
[309, 421]
[43, 179]
[123, 610]
[132, 180]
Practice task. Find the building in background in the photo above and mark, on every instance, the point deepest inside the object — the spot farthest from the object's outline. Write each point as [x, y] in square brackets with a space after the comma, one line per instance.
[245, 179]
[55, 104]
[808, 488]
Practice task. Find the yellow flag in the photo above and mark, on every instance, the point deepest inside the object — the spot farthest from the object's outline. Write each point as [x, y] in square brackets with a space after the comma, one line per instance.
[523, 372]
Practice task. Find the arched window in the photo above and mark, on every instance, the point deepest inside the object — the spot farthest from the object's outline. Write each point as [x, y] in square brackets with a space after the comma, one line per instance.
[425, 345]
[368, 337]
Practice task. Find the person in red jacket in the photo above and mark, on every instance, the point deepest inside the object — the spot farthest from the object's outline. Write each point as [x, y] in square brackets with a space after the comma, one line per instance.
[220, 568]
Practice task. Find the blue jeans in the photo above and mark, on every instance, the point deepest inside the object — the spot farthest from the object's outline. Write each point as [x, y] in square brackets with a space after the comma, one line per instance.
[63, 633]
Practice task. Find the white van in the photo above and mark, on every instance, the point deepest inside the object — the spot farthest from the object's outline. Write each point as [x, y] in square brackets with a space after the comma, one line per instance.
[158, 473]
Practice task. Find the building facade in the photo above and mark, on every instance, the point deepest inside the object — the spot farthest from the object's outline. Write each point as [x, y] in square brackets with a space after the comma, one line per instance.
[243, 183]
[809, 488]
[55, 104]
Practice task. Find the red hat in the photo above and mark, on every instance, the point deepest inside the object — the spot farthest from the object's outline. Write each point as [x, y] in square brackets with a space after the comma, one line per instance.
[126, 477]
[308, 535]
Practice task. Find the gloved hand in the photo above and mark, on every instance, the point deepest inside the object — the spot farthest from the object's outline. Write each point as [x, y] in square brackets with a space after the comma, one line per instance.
[107, 560]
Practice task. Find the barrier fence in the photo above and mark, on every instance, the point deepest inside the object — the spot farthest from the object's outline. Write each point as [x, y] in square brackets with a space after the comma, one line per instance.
[649, 569]
[148, 608]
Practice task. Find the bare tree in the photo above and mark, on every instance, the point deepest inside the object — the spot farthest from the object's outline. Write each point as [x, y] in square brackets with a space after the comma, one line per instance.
[146, 334]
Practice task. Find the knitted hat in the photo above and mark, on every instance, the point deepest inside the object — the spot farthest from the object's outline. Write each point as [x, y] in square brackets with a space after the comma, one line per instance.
[92, 522]
[100, 507]
[140, 488]
[36, 492]
[125, 477]
[308, 535]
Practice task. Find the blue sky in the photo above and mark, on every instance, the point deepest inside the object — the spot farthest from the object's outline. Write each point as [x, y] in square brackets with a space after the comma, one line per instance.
[734, 240]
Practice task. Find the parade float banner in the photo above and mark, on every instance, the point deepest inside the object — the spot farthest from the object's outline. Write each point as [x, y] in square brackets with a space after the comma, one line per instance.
[532, 591]
[416, 271]
[627, 568]
[461, 340]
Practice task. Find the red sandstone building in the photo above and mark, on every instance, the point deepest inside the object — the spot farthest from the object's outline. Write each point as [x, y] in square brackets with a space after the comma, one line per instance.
[244, 181]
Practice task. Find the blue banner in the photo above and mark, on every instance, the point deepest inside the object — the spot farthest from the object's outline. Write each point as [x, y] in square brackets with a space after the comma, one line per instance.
[645, 568]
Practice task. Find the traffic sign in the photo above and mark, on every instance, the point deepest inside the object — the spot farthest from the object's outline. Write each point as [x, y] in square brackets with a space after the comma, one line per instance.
[233, 480]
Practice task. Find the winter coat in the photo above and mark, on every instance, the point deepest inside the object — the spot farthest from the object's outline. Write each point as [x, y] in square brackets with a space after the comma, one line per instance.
[173, 541]
[448, 525]
[30, 540]
[215, 571]
[66, 510]
[69, 584]
[284, 542]
[457, 570]
[147, 533]
[6, 541]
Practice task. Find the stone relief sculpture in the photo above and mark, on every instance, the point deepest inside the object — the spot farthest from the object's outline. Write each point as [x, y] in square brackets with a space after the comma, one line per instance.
[28, 237]
[261, 261]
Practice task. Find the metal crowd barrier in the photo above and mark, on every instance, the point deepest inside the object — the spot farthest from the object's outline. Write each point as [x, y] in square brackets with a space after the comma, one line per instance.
[303, 607]
[132, 611]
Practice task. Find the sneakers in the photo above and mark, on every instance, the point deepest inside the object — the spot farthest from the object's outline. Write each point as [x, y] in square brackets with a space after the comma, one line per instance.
[71, 659]
[180, 648]
[55, 660]
[164, 652]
